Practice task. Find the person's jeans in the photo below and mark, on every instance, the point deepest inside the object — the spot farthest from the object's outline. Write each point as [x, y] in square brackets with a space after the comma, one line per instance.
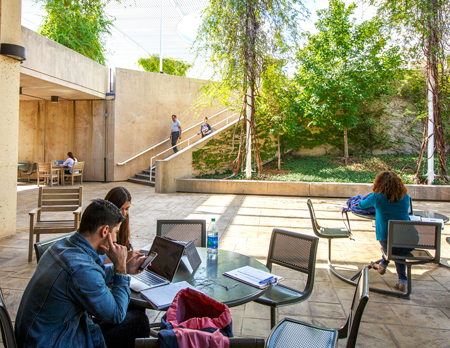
[401, 267]
[135, 325]
[175, 136]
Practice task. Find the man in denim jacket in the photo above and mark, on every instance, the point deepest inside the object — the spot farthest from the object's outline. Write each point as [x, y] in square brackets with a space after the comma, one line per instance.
[69, 287]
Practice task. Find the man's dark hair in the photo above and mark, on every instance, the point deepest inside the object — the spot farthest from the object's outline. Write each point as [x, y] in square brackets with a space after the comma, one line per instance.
[174, 116]
[97, 214]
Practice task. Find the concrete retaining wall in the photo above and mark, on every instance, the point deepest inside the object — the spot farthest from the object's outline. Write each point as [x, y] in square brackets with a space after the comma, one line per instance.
[179, 165]
[304, 189]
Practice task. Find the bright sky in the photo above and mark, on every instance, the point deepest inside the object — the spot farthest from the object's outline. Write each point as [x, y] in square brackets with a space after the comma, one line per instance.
[136, 31]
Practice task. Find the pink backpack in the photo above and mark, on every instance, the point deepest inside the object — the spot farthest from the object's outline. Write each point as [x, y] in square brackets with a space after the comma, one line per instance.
[195, 320]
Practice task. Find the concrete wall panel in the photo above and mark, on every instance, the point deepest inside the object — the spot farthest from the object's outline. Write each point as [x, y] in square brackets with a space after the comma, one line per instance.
[69, 126]
[144, 105]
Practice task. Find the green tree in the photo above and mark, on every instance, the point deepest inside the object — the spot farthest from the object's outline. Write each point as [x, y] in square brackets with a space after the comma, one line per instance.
[277, 110]
[424, 25]
[171, 66]
[79, 25]
[345, 70]
[236, 37]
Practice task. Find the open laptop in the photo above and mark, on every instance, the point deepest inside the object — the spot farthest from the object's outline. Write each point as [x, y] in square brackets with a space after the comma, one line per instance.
[163, 267]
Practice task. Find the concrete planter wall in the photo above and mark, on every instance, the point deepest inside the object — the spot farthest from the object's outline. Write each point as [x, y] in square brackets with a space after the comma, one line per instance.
[304, 189]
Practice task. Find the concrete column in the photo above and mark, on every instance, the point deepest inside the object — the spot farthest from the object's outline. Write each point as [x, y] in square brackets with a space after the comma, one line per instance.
[10, 32]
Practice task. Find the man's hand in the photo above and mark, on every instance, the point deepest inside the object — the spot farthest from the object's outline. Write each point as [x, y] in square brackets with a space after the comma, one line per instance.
[179, 137]
[134, 262]
[117, 254]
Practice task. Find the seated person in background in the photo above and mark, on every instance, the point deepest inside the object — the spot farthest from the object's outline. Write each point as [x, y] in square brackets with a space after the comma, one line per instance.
[391, 202]
[69, 163]
[69, 286]
[205, 128]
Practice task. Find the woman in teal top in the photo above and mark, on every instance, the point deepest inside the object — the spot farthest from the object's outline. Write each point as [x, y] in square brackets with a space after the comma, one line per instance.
[391, 202]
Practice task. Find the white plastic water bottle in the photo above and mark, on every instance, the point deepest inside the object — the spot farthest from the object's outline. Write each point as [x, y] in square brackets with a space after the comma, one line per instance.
[213, 240]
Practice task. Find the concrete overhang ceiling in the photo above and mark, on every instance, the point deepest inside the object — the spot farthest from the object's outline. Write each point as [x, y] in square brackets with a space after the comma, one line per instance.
[34, 89]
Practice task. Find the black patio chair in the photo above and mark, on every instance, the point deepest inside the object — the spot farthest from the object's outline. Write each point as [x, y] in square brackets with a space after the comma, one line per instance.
[8, 339]
[295, 251]
[293, 333]
[183, 230]
[235, 342]
[41, 247]
[412, 243]
[30, 171]
[330, 234]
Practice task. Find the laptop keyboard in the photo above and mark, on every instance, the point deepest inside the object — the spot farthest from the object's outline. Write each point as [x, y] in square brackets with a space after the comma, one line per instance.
[148, 278]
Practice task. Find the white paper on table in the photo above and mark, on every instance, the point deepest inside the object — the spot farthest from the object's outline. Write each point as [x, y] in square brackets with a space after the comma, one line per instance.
[419, 218]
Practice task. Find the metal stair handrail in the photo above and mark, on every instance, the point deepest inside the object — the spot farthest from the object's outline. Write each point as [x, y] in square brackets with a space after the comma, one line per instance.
[162, 142]
[151, 159]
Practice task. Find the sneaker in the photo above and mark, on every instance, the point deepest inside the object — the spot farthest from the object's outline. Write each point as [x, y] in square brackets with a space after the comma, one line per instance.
[401, 286]
[378, 267]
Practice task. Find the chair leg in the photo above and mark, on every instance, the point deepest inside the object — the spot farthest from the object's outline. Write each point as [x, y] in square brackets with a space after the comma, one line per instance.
[273, 317]
[30, 246]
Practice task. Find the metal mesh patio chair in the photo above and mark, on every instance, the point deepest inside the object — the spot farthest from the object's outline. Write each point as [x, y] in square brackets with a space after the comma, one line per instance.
[41, 247]
[235, 342]
[295, 251]
[330, 234]
[412, 243]
[30, 171]
[293, 333]
[6, 326]
[183, 230]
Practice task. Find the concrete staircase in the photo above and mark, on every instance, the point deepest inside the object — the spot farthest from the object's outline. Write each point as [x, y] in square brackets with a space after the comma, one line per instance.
[144, 177]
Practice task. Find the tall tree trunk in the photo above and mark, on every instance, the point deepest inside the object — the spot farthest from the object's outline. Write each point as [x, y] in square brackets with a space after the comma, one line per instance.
[345, 146]
[279, 152]
[423, 147]
[436, 69]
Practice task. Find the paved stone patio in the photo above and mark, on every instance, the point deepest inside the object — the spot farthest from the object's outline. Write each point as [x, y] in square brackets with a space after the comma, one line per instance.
[245, 224]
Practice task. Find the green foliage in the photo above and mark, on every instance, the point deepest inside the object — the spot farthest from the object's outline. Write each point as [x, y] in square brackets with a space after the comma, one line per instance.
[237, 37]
[171, 66]
[277, 110]
[215, 156]
[361, 169]
[77, 24]
[230, 44]
[345, 71]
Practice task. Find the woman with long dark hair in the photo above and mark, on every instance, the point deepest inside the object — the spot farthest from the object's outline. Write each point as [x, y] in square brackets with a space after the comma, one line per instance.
[121, 198]
[391, 202]
[69, 163]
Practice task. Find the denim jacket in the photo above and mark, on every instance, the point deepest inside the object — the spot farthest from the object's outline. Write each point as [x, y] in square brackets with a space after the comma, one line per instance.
[69, 284]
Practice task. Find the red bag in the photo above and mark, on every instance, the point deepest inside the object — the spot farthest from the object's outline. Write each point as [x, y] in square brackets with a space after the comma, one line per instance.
[196, 320]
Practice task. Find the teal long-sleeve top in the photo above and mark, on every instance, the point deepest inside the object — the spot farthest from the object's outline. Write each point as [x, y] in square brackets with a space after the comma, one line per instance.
[385, 211]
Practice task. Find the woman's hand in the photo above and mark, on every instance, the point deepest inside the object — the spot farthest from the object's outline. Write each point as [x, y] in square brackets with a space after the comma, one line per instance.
[131, 253]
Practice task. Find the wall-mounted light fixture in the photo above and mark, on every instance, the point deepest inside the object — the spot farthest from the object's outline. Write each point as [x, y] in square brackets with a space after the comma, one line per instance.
[54, 98]
[13, 51]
